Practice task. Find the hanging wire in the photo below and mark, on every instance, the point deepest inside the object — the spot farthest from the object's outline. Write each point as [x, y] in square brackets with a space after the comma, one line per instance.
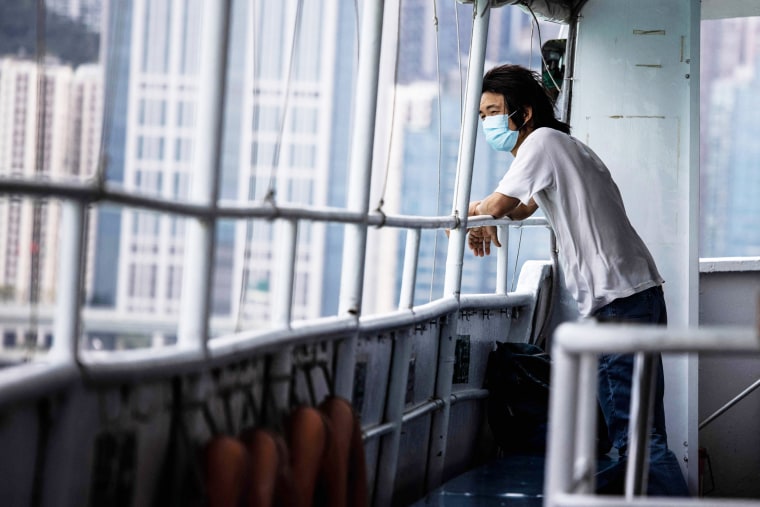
[286, 99]
[440, 143]
[245, 275]
[530, 53]
[517, 257]
[459, 64]
[356, 27]
[381, 201]
[540, 47]
[469, 64]
[112, 82]
[270, 194]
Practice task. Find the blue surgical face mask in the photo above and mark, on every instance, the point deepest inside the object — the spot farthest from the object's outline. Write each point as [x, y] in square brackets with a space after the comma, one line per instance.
[498, 133]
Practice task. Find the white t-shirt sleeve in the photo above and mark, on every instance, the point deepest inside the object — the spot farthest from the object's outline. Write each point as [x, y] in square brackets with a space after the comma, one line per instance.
[531, 171]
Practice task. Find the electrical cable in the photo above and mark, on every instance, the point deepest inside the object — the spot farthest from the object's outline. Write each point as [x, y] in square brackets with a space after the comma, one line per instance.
[271, 185]
[440, 144]
[384, 188]
[517, 257]
[540, 45]
[286, 100]
[469, 64]
[112, 81]
[459, 63]
[554, 289]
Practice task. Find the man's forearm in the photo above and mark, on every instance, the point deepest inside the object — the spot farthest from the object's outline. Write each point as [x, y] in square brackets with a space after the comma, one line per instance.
[497, 205]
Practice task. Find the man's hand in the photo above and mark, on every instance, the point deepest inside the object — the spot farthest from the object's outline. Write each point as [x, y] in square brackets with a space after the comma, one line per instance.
[480, 239]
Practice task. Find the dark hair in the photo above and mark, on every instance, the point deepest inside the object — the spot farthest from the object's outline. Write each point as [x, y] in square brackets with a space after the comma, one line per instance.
[523, 87]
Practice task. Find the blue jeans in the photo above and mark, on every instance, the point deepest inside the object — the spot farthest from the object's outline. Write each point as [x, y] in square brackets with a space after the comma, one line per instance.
[615, 373]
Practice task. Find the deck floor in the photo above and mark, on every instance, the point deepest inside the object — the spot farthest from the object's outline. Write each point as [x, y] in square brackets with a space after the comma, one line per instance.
[512, 481]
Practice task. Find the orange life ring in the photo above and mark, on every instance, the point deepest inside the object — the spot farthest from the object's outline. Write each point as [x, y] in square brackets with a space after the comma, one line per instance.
[344, 473]
[226, 468]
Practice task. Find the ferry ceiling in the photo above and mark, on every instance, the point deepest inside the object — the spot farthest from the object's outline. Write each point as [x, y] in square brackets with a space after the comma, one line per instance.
[562, 11]
[558, 11]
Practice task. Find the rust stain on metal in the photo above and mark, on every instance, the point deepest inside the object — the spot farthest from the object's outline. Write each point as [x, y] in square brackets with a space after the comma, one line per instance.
[636, 117]
[649, 32]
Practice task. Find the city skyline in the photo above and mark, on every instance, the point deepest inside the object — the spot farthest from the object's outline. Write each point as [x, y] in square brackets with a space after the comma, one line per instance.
[287, 139]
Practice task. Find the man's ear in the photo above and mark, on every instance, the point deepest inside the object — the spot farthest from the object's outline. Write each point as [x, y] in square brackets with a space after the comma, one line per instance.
[527, 114]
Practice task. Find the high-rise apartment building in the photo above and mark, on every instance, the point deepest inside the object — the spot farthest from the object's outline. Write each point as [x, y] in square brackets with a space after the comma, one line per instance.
[49, 129]
[730, 71]
[277, 144]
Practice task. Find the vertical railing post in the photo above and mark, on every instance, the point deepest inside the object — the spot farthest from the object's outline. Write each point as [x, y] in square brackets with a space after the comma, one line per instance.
[584, 464]
[562, 408]
[409, 276]
[455, 252]
[359, 179]
[402, 353]
[204, 189]
[394, 413]
[284, 270]
[502, 261]
[68, 293]
[455, 255]
[642, 398]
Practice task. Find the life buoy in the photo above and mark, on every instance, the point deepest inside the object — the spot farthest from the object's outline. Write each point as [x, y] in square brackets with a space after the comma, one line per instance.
[307, 432]
[226, 465]
[270, 482]
[343, 472]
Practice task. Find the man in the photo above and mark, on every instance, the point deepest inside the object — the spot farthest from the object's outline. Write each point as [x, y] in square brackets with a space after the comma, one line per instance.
[606, 265]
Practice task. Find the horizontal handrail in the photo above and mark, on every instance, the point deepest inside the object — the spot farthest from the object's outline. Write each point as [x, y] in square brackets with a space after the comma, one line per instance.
[151, 363]
[92, 192]
[623, 339]
[570, 468]
[736, 399]
[424, 409]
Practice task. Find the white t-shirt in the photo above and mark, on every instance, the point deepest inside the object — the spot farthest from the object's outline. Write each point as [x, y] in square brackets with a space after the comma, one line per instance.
[602, 256]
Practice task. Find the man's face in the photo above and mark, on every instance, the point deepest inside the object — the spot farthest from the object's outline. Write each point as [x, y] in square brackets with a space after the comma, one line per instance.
[492, 104]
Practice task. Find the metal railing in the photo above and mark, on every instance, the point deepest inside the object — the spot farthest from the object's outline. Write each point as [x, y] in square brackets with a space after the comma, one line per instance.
[66, 363]
[571, 456]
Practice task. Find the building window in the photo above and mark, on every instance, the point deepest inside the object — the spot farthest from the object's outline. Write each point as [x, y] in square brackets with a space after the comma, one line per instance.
[152, 112]
[9, 339]
[729, 152]
[150, 148]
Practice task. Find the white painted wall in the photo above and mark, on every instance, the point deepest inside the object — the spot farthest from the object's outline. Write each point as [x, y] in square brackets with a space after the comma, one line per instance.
[636, 104]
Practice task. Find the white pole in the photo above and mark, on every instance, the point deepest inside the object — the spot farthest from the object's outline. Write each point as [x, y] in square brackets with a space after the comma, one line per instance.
[199, 245]
[66, 324]
[562, 423]
[409, 277]
[360, 171]
[455, 254]
[439, 430]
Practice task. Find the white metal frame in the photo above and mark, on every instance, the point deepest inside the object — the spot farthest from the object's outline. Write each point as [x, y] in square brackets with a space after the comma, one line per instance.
[571, 458]
[195, 351]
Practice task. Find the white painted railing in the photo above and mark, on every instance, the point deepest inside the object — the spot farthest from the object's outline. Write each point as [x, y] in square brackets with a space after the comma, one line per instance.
[571, 456]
